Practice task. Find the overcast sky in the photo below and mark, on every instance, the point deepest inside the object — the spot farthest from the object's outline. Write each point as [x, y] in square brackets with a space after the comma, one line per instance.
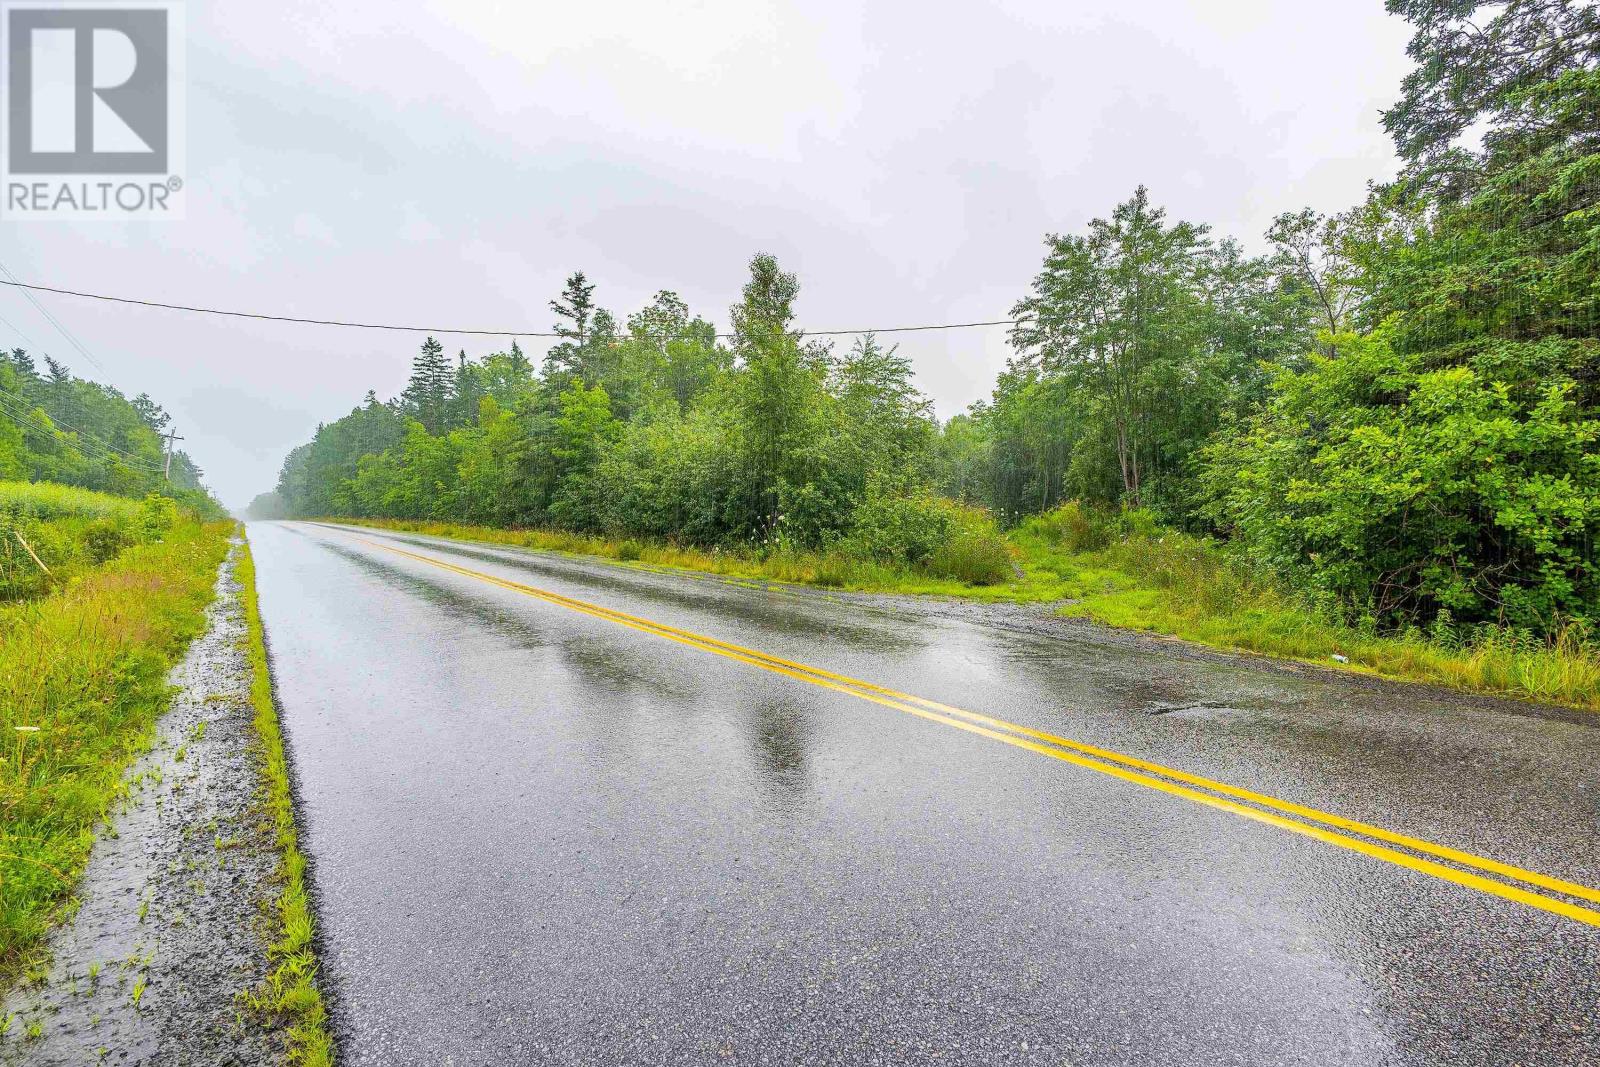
[450, 163]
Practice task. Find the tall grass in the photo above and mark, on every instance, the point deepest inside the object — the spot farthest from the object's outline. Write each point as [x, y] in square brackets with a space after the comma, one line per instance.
[50, 533]
[1140, 577]
[47, 500]
[82, 682]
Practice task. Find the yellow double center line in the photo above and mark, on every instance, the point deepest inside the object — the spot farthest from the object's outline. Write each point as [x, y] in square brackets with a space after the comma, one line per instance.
[1296, 818]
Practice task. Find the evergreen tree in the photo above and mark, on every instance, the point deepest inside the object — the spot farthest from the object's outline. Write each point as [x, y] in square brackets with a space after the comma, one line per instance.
[24, 364]
[1498, 64]
[60, 377]
[575, 312]
[428, 393]
[468, 391]
[518, 363]
[1497, 241]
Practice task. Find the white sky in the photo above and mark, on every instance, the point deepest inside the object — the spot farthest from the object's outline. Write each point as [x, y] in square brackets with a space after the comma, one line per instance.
[450, 163]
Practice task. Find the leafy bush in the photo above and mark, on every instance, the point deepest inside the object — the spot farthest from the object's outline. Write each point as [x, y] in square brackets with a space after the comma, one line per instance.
[104, 539]
[903, 529]
[667, 477]
[157, 515]
[929, 533]
[1073, 526]
[1406, 485]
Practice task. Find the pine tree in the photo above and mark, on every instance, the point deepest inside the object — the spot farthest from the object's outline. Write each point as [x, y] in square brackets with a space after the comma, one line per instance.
[428, 392]
[468, 392]
[59, 375]
[24, 364]
[519, 362]
[575, 312]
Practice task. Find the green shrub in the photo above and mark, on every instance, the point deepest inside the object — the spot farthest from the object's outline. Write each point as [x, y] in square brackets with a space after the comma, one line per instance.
[1074, 526]
[902, 529]
[630, 550]
[1407, 484]
[104, 539]
[157, 515]
[68, 530]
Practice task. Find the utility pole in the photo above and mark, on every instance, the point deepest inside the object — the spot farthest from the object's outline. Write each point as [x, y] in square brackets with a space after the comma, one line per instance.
[170, 436]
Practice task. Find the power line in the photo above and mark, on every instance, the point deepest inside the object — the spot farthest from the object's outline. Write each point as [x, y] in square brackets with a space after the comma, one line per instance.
[904, 329]
[427, 329]
[25, 338]
[71, 339]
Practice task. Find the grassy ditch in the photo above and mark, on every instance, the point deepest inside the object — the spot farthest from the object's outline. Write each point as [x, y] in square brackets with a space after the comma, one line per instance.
[1131, 574]
[291, 991]
[83, 664]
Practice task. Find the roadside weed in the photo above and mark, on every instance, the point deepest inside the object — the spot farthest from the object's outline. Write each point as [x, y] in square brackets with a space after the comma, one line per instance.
[291, 989]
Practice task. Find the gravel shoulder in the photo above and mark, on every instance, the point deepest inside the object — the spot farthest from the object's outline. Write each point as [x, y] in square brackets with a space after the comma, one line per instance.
[175, 914]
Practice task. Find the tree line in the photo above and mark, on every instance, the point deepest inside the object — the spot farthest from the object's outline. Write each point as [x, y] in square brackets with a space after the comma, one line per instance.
[55, 427]
[1394, 407]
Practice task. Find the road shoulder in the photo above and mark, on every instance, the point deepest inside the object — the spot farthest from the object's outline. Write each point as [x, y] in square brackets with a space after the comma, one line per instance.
[173, 955]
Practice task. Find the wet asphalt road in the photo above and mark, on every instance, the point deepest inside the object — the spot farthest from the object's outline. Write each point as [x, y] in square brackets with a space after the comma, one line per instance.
[540, 836]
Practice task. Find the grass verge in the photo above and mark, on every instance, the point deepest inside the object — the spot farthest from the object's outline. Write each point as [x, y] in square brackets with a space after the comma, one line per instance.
[82, 683]
[1186, 587]
[291, 990]
[829, 570]
[1145, 579]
